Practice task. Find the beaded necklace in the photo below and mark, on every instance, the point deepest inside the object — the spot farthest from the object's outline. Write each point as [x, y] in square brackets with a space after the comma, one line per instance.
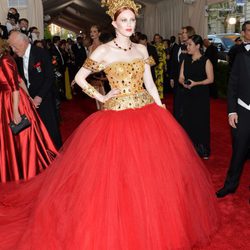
[129, 48]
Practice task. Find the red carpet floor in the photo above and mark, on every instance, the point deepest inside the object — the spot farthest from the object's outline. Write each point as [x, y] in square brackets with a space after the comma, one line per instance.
[234, 232]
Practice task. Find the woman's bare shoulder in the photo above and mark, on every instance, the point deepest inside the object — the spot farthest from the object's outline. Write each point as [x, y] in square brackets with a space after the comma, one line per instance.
[101, 52]
[142, 49]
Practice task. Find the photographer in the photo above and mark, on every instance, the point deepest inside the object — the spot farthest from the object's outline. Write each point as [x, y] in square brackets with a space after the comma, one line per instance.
[3, 32]
[12, 20]
[24, 26]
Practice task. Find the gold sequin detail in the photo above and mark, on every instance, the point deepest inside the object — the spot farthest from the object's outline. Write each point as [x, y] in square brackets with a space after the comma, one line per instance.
[150, 60]
[90, 91]
[93, 65]
[128, 78]
[132, 101]
[115, 5]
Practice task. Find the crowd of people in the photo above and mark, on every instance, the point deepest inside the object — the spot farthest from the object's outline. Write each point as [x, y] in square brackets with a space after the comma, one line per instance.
[130, 176]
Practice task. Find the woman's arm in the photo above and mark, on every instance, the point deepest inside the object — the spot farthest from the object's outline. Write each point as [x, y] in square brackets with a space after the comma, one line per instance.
[15, 102]
[210, 74]
[10, 71]
[24, 87]
[83, 73]
[148, 79]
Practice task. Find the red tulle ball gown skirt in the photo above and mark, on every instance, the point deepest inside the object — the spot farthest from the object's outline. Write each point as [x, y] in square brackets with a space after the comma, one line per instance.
[125, 180]
[24, 155]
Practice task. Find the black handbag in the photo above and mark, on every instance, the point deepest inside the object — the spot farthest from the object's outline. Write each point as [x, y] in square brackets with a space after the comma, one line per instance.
[17, 128]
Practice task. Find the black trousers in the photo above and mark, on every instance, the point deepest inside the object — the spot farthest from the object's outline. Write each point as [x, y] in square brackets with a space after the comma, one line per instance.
[241, 143]
[48, 114]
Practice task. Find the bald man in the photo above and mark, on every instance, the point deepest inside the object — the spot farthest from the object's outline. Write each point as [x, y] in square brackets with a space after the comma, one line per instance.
[35, 68]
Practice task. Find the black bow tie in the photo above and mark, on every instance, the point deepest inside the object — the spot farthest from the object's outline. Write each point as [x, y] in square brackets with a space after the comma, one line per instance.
[245, 44]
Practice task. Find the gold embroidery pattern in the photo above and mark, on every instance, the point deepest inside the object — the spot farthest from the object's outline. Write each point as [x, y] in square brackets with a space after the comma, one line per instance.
[128, 78]
[90, 91]
[150, 60]
[115, 5]
[132, 101]
[93, 65]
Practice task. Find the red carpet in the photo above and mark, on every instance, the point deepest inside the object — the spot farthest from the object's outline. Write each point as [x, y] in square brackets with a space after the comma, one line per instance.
[234, 233]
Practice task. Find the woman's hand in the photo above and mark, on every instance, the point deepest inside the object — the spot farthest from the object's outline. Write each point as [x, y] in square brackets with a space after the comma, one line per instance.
[190, 85]
[111, 93]
[16, 117]
[163, 106]
[72, 83]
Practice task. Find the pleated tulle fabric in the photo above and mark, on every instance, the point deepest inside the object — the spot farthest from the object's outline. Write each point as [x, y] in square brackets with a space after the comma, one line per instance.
[125, 180]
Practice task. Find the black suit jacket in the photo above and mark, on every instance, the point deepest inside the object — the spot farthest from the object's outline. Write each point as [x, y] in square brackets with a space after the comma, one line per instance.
[41, 79]
[212, 54]
[176, 60]
[238, 85]
[80, 54]
[59, 58]
[41, 76]
[153, 52]
[233, 52]
[4, 32]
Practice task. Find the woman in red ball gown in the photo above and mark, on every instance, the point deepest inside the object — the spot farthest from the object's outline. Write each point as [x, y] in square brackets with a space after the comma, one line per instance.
[24, 155]
[127, 179]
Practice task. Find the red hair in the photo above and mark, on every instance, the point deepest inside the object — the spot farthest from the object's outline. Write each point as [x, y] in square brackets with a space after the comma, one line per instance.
[118, 12]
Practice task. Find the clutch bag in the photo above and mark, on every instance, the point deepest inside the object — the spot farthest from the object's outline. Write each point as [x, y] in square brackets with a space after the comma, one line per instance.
[17, 128]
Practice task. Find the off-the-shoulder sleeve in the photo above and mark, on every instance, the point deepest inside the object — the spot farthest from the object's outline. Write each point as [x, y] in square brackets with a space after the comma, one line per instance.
[150, 60]
[93, 65]
[11, 73]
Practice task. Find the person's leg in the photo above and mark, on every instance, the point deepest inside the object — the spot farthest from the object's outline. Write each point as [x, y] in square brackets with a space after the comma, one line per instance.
[241, 136]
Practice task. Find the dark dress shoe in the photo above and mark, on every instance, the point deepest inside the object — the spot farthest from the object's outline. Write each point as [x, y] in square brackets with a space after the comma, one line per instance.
[224, 191]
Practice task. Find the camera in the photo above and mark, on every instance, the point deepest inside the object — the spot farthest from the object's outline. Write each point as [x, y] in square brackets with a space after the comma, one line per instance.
[57, 74]
[187, 82]
[13, 16]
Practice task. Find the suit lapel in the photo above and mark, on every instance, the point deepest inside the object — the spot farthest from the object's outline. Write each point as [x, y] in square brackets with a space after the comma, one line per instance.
[246, 56]
[31, 62]
[20, 60]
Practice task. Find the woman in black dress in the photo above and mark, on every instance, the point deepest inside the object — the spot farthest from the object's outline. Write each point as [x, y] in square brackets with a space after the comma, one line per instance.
[196, 74]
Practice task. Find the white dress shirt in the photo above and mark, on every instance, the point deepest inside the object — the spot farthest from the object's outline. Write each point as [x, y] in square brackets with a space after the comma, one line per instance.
[247, 47]
[26, 57]
[60, 54]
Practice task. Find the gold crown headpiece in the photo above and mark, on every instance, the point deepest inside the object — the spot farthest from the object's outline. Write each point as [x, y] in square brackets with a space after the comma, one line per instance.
[114, 5]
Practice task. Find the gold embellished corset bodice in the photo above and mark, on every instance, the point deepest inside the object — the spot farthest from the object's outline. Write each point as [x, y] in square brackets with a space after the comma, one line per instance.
[128, 78]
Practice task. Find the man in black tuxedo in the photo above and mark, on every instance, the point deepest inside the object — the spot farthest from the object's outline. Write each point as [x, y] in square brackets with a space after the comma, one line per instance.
[60, 66]
[143, 39]
[239, 113]
[35, 68]
[79, 52]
